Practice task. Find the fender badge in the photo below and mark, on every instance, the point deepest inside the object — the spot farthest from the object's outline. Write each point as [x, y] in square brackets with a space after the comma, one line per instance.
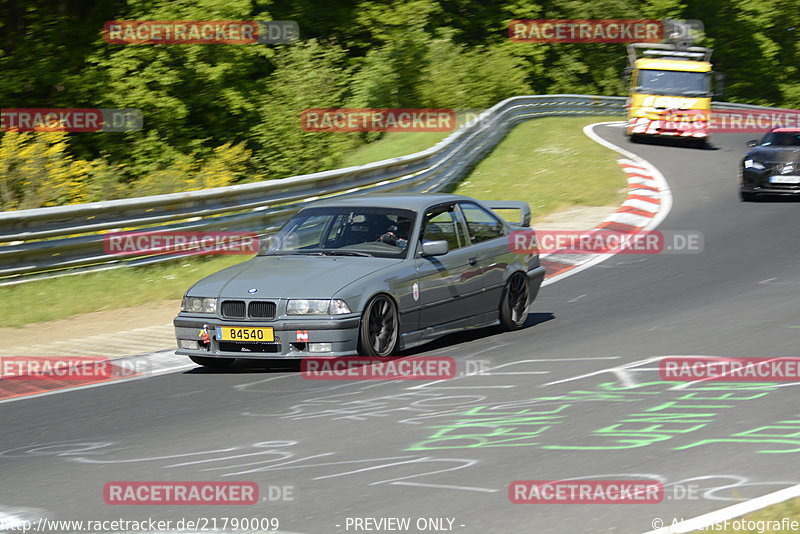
[253, 290]
[415, 291]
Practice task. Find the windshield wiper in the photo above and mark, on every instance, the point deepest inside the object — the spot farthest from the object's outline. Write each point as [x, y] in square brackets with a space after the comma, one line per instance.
[345, 253]
[294, 253]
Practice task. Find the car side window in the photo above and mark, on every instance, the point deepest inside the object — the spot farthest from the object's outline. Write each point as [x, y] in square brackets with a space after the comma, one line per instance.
[482, 224]
[441, 224]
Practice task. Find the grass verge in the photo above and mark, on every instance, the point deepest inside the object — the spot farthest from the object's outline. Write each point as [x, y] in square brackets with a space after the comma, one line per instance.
[59, 298]
[550, 164]
[393, 145]
[547, 162]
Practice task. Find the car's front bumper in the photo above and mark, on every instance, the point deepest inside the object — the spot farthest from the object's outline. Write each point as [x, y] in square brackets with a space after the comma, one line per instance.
[293, 337]
[757, 181]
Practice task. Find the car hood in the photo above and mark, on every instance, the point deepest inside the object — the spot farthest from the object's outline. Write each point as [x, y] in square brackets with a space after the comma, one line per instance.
[289, 276]
[778, 154]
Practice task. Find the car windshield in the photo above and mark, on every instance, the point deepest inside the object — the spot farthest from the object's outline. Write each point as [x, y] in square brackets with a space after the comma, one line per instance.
[670, 82]
[344, 231]
[781, 139]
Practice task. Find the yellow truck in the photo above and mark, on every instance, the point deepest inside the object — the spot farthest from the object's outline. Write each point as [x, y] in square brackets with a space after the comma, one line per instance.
[670, 91]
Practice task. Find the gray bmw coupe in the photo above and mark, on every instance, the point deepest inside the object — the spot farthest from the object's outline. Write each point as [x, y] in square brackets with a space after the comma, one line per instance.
[367, 275]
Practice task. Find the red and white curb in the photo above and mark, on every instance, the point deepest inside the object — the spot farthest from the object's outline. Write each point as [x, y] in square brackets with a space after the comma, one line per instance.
[648, 203]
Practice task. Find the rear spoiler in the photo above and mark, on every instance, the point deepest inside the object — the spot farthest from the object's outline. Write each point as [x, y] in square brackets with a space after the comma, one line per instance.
[523, 207]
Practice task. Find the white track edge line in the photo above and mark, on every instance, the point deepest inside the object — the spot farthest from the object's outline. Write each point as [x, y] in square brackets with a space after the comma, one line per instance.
[725, 514]
[663, 186]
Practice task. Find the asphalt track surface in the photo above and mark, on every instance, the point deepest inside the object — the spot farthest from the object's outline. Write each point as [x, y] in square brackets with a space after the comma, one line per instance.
[571, 396]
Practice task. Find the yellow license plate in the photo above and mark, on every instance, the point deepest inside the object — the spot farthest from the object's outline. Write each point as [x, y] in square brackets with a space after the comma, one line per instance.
[245, 333]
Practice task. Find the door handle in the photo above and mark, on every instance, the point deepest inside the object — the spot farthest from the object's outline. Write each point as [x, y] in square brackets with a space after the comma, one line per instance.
[473, 261]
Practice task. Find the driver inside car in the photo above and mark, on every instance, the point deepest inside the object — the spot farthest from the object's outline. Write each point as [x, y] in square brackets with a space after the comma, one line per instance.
[398, 234]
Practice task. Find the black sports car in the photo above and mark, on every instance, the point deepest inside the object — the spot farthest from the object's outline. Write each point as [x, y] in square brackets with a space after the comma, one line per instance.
[773, 166]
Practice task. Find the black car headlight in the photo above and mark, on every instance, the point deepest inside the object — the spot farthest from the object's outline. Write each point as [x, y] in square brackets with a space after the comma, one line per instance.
[753, 164]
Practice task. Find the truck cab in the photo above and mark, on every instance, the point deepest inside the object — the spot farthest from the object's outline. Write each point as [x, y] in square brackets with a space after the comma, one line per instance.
[670, 92]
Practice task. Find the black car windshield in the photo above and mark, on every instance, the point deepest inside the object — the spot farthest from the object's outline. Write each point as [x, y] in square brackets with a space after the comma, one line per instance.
[781, 139]
[671, 82]
[344, 231]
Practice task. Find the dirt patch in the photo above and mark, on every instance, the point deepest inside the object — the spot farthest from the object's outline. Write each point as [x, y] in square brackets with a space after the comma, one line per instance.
[87, 325]
[574, 218]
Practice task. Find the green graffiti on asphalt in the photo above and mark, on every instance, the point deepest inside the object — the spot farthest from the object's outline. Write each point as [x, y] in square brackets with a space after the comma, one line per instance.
[686, 412]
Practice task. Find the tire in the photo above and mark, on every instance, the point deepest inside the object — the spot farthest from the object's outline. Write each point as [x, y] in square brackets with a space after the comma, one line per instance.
[513, 303]
[747, 196]
[635, 138]
[212, 363]
[379, 329]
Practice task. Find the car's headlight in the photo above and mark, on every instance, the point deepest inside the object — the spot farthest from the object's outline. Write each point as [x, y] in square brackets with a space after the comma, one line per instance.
[751, 163]
[317, 307]
[199, 305]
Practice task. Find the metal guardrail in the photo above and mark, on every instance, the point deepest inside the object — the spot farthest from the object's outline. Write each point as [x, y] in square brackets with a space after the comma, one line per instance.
[48, 242]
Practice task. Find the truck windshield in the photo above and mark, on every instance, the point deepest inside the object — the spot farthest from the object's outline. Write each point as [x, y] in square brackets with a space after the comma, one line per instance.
[672, 82]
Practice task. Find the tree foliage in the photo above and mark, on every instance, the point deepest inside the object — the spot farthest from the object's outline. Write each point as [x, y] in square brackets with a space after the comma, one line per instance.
[219, 114]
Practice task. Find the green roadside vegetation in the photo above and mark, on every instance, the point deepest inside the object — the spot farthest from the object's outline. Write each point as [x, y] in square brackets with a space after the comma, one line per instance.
[547, 162]
[392, 145]
[550, 164]
[220, 114]
[67, 296]
[766, 521]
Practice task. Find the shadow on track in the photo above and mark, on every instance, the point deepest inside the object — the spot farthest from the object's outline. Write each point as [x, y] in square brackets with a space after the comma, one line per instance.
[674, 142]
[275, 365]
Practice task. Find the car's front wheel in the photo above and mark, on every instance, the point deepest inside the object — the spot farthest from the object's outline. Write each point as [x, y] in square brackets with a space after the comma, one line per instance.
[514, 302]
[213, 363]
[379, 328]
[747, 196]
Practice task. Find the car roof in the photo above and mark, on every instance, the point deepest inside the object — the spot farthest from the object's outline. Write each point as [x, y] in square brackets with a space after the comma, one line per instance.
[409, 201]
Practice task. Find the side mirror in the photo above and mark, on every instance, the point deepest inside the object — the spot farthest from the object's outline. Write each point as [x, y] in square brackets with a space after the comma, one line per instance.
[752, 142]
[435, 248]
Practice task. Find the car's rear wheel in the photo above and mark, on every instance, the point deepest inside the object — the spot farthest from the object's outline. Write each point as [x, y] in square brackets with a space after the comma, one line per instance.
[213, 363]
[379, 328]
[514, 302]
[747, 196]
